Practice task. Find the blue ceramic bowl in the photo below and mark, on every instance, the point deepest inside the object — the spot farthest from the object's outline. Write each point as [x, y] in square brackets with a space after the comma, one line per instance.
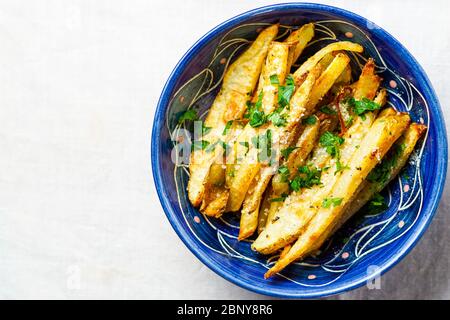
[367, 245]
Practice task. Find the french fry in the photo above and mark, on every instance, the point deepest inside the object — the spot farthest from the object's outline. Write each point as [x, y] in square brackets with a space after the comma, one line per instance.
[215, 196]
[313, 60]
[299, 38]
[265, 208]
[240, 79]
[299, 208]
[324, 83]
[393, 162]
[381, 136]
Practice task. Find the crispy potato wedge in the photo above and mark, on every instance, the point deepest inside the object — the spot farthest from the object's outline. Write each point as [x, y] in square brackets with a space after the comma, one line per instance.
[240, 78]
[265, 208]
[250, 207]
[313, 60]
[215, 196]
[394, 161]
[381, 136]
[299, 38]
[327, 79]
[300, 207]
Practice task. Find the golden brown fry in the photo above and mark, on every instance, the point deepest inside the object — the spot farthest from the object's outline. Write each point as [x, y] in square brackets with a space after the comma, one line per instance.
[299, 38]
[264, 210]
[327, 79]
[401, 150]
[313, 60]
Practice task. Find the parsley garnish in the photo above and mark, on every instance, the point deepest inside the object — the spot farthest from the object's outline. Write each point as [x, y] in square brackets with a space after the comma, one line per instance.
[328, 110]
[255, 114]
[190, 114]
[381, 173]
[278, 119]
[286, 152]
[274, 79]
[285, 92]
[227, 127]
[309, 120]
[307, 177]
[332, 143]
[284, 172]
[327, 202]
[377, 204]
[360, 107]
[349, 121]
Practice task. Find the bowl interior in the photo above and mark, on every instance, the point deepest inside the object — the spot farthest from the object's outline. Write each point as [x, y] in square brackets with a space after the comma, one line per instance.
[367, 244]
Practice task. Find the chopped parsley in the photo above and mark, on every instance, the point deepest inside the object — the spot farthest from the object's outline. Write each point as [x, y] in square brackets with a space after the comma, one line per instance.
[309, 120]
[286, 152]
[360, 107]
[307, 177]
[328, 110]
[190, 114]
[255, 114]
[227, 127]
[328, 202]
[274, 79]
[332, 143]
[377, 204]
[284, 172]
[285, 92]
[382, 172]
[278, 119]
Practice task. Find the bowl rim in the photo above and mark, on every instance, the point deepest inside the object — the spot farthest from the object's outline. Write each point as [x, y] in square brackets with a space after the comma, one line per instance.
[420, 76]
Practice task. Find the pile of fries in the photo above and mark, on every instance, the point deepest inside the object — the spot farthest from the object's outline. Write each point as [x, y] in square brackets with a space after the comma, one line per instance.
[297, 154]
